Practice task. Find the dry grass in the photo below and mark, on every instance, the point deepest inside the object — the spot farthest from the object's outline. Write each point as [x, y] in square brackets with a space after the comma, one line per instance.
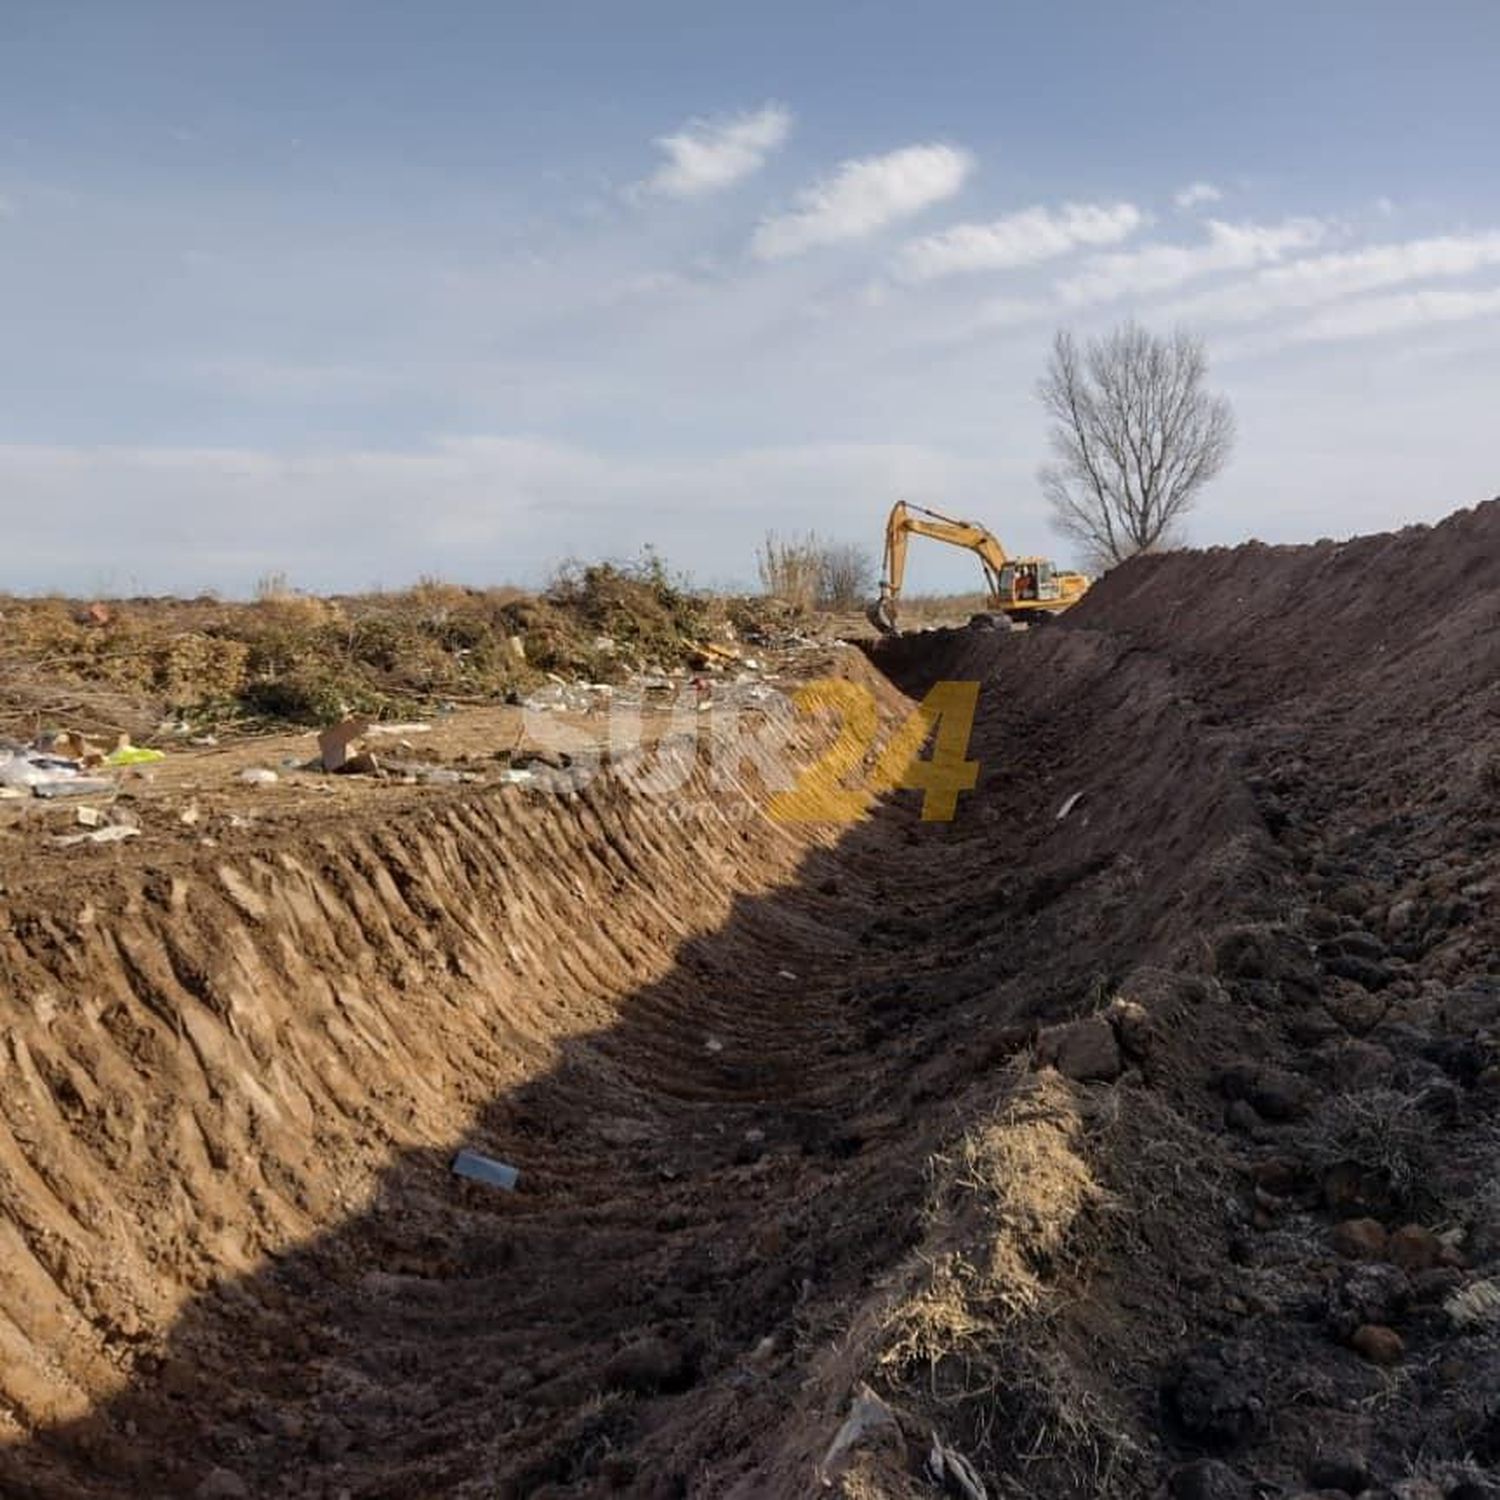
[981, 1335]
[810, 573]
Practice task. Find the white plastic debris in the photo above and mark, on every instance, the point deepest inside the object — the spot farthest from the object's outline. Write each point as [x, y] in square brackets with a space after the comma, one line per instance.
[1068, 806]
[486, 1169]
[112, 834]
[259, 776]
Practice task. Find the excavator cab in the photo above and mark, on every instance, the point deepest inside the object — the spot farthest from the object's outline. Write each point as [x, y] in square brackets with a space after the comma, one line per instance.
[1026, 580]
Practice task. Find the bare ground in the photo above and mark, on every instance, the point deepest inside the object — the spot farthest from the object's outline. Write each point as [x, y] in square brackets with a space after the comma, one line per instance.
[1046, 1135]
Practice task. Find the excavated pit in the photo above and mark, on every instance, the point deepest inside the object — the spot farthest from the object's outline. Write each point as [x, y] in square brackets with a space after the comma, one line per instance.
[736, 1061]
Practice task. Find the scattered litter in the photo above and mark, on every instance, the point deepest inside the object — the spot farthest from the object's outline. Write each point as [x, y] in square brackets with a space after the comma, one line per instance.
[88, 817]
[713, 1044]
[113, 834]
[785, 974]
[571, 697]
[485, 1169]
[259, 776]
[400, 729]
[1068, 806]
[516, 776]
[335, 744]
[33, 769]
[70, 745]
[79, 786]
[189, 815]
[205, 740]
[133, 755]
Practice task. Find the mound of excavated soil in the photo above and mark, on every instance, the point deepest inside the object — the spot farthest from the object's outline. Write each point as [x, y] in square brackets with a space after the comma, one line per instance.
[1146, 1149]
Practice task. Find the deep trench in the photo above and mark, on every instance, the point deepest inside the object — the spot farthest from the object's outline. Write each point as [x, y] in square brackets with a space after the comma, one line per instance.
[717, 1161]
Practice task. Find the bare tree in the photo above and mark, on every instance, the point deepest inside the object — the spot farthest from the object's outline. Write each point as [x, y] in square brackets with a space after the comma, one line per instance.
[1135, 436]
[808, 572]
[846, 575]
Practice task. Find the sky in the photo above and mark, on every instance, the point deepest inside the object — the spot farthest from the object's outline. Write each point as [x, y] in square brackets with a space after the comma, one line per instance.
[363, 292]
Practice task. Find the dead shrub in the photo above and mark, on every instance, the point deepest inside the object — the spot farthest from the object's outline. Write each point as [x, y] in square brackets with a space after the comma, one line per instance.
[980, 1332]
[791, 569]
[1381, 1131]
[846, 576]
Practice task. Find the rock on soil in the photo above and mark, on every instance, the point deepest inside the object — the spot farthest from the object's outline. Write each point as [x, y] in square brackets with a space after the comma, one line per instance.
[1217, 1394]
[1378, 1344]
[1086, 1051]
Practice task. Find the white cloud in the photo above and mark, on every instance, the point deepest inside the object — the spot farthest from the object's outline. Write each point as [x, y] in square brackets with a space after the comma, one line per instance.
[1019, 239]
[1195, 193]
[1398, 313]
[1327, 278]
[1160, 267]
[862, 197]
[706, 155]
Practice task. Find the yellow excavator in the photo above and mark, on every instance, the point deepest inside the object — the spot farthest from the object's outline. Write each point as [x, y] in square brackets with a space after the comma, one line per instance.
[1028, 589]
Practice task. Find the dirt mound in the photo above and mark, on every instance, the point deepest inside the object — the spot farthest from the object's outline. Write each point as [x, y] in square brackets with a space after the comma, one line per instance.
[1132, 1134]
[303, 659]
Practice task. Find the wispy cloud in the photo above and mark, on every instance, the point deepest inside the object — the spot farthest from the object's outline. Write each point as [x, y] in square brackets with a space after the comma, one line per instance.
[1196, 193]
[864, 196]
[707, 155]
[1399, 313]
[1328, 278]
[1160, 267]
[1020, 239]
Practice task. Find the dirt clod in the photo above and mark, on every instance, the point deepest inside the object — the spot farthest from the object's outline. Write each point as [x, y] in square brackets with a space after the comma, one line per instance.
[1207, 1479]
[1217, 1394]
[1359, 1239]
[1086, 1051]
[222, 1484]
[1378, 1344]
[1346, 1472]
[1414, 1248]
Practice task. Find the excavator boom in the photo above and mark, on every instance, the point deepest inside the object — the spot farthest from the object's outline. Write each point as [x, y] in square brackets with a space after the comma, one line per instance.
[1026, 587]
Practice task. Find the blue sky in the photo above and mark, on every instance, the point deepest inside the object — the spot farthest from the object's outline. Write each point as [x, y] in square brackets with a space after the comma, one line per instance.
[362, 291]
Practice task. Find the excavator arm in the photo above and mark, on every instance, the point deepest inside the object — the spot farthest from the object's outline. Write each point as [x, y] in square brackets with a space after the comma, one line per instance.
[915, 520]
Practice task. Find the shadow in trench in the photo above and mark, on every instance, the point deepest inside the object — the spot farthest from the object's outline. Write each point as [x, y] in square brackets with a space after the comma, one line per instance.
[708, 1185]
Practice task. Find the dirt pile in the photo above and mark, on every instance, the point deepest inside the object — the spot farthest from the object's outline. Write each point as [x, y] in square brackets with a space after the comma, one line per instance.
[297, 658]
[1131, 1135]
